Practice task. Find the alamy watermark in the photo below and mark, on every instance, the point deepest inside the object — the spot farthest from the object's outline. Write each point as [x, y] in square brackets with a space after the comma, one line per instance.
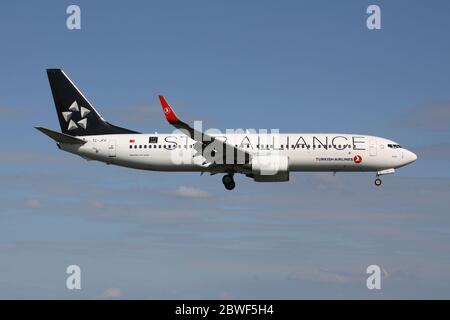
[374, 280]
[73, 21]
[373, 22]
[73, 281]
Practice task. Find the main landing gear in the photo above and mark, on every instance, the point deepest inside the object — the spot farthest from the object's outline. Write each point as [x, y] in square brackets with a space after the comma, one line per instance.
[228, 182]
[378, 182]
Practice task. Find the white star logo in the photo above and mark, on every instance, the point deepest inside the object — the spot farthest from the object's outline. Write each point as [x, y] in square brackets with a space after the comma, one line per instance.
[67, 115]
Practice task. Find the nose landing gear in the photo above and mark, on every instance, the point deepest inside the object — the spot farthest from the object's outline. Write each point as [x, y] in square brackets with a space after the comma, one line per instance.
[228, 182]
[378, 182]
[382, 173]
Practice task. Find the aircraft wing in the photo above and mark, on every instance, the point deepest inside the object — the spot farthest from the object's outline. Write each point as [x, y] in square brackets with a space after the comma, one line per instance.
[204, 140]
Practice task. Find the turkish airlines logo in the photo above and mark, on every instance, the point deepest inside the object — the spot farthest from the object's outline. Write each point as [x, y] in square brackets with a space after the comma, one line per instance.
[357, 159]
[75, 124]
[166, 110]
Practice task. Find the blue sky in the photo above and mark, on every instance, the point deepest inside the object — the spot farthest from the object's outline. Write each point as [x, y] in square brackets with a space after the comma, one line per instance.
[297, 66]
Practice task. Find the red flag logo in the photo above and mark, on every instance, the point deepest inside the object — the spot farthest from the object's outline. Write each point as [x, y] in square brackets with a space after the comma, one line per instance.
[357, 159]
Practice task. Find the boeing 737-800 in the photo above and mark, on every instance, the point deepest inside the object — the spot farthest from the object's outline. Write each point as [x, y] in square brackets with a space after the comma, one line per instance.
[264, 157]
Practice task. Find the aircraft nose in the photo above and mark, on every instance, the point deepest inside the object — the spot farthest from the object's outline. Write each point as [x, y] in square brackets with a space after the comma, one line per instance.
[410, 156]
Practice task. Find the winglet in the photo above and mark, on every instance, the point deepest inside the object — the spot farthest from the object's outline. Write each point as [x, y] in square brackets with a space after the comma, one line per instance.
[168, 112]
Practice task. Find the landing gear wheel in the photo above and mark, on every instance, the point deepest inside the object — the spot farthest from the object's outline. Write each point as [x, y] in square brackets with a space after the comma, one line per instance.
[230, 186]
[227, 179]
[228, 182]
[378, 182]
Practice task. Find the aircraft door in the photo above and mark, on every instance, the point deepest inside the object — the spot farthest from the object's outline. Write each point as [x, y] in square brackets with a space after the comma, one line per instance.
[373, 148]
[111, 148]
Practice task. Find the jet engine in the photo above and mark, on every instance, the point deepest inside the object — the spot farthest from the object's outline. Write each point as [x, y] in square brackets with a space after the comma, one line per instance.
[269, 168]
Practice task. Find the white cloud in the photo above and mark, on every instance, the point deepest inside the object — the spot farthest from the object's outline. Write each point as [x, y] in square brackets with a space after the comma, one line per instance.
[327, 181]
[33, 204]
[6, 112]
[436, 152]
[191, 192]
[309, 273]
[142, 113]
[96, 204]
[14, 156]
[431, 116]
[112, 293]
[225, 295]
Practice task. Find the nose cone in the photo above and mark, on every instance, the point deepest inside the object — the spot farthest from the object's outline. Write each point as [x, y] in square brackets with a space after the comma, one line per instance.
[410, 157]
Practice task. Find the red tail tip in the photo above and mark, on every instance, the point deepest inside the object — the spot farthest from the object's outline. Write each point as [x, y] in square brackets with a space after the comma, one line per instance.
[168, 112]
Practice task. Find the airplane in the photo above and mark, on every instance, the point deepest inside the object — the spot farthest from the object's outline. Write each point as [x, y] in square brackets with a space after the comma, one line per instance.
[262, 156]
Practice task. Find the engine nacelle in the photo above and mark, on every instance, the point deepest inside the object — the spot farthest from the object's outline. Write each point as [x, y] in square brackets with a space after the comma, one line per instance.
[270, 168]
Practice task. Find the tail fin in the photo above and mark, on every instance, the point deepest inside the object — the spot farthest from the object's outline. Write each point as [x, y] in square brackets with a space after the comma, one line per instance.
[77, 117]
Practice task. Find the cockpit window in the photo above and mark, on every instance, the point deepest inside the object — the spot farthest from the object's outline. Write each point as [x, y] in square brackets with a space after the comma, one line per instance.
[394, 146]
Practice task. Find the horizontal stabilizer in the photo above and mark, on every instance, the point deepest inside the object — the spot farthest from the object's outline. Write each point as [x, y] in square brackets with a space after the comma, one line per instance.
[60, 137]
